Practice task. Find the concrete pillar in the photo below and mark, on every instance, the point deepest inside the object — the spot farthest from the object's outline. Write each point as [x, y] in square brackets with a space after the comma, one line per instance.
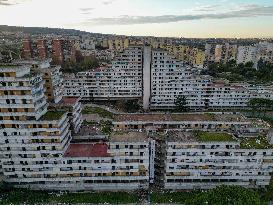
[146, 77]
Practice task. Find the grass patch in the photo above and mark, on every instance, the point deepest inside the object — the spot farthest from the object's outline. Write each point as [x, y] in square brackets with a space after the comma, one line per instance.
[97, 110]
[210, 136]
[260, 142]
[20, 196]
[53, 115]
[172, 197]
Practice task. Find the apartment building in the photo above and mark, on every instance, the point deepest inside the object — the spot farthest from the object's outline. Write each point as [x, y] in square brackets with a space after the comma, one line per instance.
[122, 79]
[170, 78]
[236, 123]
[158, 78]
[53, 83]
[225, 53]
[72, 106]
[247, 54]
[58, 49]
[36, 148]
[191, 162]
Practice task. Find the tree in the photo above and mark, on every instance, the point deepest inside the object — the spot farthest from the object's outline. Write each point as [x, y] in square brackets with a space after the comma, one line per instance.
[106, 127]
[228, 195]
[181, 104]
[132, 106]
[260, 105]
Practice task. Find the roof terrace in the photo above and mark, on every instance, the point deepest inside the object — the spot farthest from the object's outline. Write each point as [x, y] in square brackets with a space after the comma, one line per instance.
[128, 137]
[53, 115]
[180, 117]
[200, 136]
[87, 150]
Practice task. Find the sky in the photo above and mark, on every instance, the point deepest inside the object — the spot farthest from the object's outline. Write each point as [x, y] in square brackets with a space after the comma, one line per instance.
[164, 18]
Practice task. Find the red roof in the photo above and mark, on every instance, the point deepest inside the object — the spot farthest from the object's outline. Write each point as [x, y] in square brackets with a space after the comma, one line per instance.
[87, 150]
[69, 100]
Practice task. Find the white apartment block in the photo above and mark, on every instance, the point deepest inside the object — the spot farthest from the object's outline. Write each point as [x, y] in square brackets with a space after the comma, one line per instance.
[158, 78]
[123, 79]
[170, 79]
[72, 105]
[193, 164]
[53, 83]
[35, 143]
[235, 123]
[247, 54]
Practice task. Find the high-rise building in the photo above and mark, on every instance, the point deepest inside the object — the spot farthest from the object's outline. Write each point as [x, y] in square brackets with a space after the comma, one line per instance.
[192, 161]
[35, 142]
[42, 49]
[247, 54]
[158, 78]
[27, 50]
[122, 79]
[57, 49]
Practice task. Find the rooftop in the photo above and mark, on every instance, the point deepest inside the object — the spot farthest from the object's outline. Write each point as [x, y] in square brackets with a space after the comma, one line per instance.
[9, 66]
[214, 136]
[87, 150]
[53, 115]
[176, 136]
[260, 142]
[65, 104]
[180, 117]
[90, 130]
[69, 100]
[200, 136]
[128, 137]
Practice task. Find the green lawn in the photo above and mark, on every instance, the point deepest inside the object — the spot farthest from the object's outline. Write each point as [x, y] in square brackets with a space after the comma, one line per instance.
[97, 110]
[18, 196]
[172, 197]
[211, 136]
[255, 143]
[53, 115]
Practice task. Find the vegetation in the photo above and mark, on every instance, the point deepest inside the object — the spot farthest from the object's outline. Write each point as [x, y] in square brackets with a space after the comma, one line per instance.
[132, 106]
[228, 195]
[260, 106]
[10, 52]
[210, 136]
[80, 64]
[97, 110]
[260, 142]
[267, 195]
[53, 115]
[181, 104]
[85, 122]
[19, 196]
[172, 197]
[106, 127]
[241, 72]
[42, 30]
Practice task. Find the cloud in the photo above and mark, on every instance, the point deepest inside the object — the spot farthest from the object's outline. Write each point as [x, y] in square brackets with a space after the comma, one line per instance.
[208, 7]
[242, 12]
[5, 3]
[107, 2]
[11, 2]
[86, 9]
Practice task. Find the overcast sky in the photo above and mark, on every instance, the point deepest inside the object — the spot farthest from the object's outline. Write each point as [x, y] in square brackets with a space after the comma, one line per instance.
[178, 18]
